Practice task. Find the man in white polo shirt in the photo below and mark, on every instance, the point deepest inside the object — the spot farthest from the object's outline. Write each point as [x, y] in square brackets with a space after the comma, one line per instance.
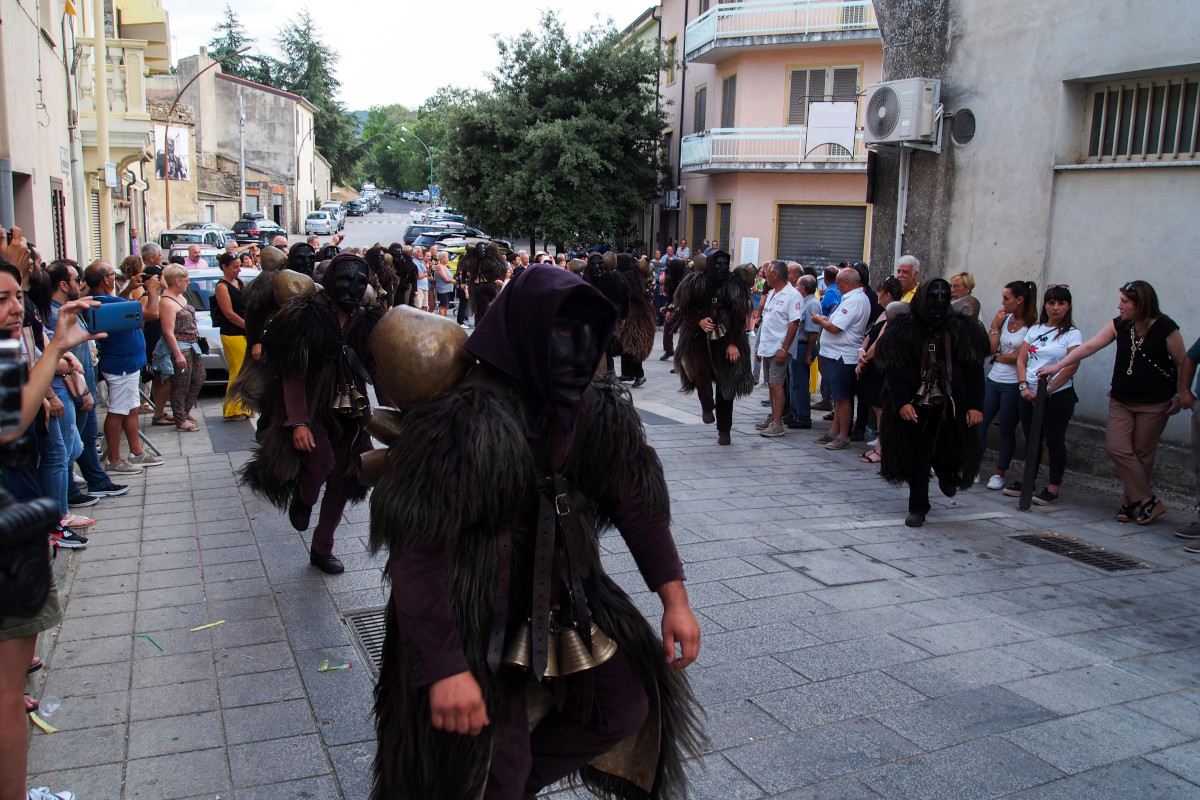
[841, 336]
[781, 320]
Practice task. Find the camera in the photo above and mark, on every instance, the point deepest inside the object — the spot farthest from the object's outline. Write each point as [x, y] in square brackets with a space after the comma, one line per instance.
[152, 271]
[13, 374]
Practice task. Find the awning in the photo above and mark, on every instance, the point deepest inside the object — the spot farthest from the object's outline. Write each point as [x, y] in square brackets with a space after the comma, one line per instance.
[146, 19]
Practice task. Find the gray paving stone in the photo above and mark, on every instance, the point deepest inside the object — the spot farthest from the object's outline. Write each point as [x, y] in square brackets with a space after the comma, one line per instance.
[257, 607]
[1159, 637]
[342, 700]
[86, 747]
[283, 719]
[1054, 655]
[1132, 778]
[1183, 760]
[265, 657]
[938, 677]
[232, 589]
[858, 624]
[178, 775]
[109, 584]
[92, 651]
[229, 555]
[961, 717]
[1066, 620]
[1095, 738]
[235, 571]
[91, 710]
[741, 679]
[1180, 710]
[170, 578]
[173, 700]
[836, 789]
[277, 760]
[322, 787]
[736, 723]
[259, 687]
[92, 781]
[240, 633]
[151, 620]
[100, 604]
[171, 597]
[714, 777]
[83, 681]
[770, 584]
[153, 668]
[957, 637]
[822, 662]
[352, 763]
[816, 704]
[98, 627]
[1084, 689]
[739, 645]
[167, 735]
[841, 566]
[871, 595]
[815, 755]
[963, 608]
[1176, 670]
[973, 771]
[747, 614]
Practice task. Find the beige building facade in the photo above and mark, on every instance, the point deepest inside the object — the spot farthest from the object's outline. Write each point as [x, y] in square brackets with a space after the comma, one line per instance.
[762, 145]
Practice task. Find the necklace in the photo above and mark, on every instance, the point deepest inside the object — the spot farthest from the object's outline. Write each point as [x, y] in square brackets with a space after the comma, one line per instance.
[1135, 342]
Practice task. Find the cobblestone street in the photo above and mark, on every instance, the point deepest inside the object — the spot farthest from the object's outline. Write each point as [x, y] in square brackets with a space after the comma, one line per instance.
[845, 655]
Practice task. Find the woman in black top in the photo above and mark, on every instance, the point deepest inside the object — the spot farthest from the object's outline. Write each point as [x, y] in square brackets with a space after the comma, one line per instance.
[228, 309]
[1145, 391]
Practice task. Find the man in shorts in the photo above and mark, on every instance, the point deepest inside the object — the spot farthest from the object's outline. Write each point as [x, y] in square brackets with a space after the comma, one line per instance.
[842, 334]
[122, 354]
[782, 312]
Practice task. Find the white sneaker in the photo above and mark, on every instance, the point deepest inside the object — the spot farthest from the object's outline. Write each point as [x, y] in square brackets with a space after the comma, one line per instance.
[123, 467]
[146, 459]
[44, 793]
[995, 483]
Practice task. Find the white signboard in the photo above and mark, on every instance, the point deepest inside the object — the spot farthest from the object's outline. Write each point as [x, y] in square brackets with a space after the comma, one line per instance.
[110, 176]
[64, 160]
[831, 123]
[749, 251]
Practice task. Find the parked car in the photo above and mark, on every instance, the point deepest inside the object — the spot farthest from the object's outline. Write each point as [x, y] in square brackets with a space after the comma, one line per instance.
[202, 284]
[337, 210]
[250, 229]
[413, 231]
[320, 223]
[208, 226]
[183, 235]
[356, 208]
[178, 253]
[439, 236]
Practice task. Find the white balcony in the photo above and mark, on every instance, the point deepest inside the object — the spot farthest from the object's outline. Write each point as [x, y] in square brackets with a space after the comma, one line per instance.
[727, 29]
[766, 150]
[124, 95]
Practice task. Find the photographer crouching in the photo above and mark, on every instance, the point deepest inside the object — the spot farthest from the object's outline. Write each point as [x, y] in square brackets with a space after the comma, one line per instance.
[28, 597]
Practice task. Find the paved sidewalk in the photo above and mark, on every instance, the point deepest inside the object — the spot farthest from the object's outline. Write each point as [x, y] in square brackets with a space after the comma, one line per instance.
[845, 655]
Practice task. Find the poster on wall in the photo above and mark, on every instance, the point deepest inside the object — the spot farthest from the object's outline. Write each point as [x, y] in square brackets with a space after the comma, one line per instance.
[749, 250]
[171, 160]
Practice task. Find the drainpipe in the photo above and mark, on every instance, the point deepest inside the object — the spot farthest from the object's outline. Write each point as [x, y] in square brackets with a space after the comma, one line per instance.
[7, 212]
[107, 243]
[679, 216]
[241, 153]
[83, 241]
[657, 16]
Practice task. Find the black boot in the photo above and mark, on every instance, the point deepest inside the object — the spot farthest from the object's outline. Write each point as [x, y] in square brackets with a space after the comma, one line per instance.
[723, 437]
[915, 520]
[299, 514]
[330, 564]
[709, 417]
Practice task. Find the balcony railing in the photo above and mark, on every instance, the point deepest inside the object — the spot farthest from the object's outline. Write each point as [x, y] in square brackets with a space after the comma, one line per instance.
[766, 150]
[777, 23]
[126, 90]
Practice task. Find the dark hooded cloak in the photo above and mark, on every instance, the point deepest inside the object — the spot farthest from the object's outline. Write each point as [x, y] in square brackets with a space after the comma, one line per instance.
[726, 299]
[641, 323]
[480, 267]
[900, 352]
[474, 499]
[406, 276]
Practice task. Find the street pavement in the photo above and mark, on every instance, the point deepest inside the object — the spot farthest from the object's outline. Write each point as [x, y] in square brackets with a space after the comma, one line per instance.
[844, 655]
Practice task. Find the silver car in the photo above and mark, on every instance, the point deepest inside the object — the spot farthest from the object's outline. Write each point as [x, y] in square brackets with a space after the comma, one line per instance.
[202, 284]
[320, 222]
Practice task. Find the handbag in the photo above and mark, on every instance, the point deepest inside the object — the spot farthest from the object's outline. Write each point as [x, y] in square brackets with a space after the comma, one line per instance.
[202, 343]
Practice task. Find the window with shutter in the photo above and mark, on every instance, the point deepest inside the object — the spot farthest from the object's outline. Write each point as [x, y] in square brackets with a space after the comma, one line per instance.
[845, 84]
[668, 144]
[810, 85]
[699, 222]
[728, 100]
[704, 4]
[94, 202]
[724, 216]
[700, 116]
[798, 97]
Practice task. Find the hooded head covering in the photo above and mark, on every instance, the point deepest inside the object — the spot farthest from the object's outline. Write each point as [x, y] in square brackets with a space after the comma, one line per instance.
[932, 311]
[514, 338]
[302, 258]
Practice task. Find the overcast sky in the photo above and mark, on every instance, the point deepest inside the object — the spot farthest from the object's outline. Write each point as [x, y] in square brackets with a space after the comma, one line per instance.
[396, 51]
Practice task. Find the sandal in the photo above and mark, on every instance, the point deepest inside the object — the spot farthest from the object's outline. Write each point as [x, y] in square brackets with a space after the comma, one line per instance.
[74, 521]
[164, 420]
[187, 426]
[872, 456]
[31, 705]
[34, 666]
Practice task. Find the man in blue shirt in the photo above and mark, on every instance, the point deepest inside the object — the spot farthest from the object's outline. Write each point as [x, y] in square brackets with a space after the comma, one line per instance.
[122, 354]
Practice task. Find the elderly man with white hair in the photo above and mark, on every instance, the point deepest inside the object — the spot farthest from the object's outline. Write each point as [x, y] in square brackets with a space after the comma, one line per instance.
[842, 335]
[908, 270]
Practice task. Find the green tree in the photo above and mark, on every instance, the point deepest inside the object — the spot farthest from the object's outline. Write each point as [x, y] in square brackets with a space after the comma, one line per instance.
[565, 145]
[230, 38]
[308, 69]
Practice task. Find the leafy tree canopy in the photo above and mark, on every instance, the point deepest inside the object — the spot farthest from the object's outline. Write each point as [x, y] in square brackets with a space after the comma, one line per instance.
[565, 144]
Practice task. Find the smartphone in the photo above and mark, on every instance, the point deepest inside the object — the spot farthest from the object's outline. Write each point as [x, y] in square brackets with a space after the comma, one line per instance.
[114, 317]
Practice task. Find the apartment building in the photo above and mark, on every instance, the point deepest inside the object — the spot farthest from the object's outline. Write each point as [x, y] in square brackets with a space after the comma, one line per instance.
[763, 104]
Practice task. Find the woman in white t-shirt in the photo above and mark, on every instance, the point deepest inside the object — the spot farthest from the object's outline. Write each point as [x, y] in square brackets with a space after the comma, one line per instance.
[1049, 342]
[1001, 397]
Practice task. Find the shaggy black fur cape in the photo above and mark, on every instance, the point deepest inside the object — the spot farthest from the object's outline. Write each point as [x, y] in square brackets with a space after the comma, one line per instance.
[608, 458]
[695, 298]
[641, 324]
[305, 337]
[406, 277]
[899, 352]
[479, 272]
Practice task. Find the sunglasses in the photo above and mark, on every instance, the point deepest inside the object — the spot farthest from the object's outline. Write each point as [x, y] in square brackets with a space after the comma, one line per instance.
[1059, 286]
[1129, 287]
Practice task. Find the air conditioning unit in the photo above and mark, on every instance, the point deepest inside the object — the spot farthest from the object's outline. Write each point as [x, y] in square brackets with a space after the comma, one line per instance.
[902, 111]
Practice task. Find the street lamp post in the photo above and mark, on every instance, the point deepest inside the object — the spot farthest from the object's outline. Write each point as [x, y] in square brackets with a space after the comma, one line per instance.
[428, 152]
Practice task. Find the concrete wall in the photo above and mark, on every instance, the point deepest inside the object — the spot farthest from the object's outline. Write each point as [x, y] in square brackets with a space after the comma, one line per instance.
[35, 135]
[270, 127]
[1008, 206]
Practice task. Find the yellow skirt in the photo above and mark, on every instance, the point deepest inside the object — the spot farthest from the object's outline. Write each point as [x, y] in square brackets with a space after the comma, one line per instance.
[235, 354]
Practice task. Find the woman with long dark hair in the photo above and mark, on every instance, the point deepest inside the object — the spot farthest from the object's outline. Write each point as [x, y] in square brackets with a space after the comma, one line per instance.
[1051, 340]
[1145, 391]
[1018, 310]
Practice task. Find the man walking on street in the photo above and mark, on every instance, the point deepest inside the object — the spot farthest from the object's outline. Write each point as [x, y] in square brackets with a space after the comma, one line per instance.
[781, 320]
[122, 354]
[840, 340]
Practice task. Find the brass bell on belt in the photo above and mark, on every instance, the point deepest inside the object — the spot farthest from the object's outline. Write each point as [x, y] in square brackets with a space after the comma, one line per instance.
[573, 655]
[519, 652]
[603, 647]
[566, 653]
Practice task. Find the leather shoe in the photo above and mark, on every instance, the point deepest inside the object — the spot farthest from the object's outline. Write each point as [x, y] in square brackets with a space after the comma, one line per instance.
[824, 405]
[709, 417]
[723, 437]
[665, 356]
[1189, 531]
[641, 381]
[330, 564]
[299, 514]
[915, 519]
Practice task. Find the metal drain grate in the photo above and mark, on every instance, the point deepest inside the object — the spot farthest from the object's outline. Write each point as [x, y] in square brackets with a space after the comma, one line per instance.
[368, 627]
[1080, 551]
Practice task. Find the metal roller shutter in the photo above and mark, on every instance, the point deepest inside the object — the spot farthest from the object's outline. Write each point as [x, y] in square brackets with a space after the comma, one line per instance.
[94, 203]
[724, 214]
[699, 212]
[821, 235]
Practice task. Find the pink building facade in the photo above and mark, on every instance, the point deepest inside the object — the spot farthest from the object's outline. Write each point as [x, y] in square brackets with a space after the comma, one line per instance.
[763, 143]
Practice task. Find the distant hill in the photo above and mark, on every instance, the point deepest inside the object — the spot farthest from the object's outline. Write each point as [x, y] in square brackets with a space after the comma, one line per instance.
[362, 120]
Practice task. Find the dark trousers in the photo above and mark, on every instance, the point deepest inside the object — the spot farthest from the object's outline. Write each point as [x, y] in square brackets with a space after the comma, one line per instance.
[669, 328]
[701, 361]
[1060, 407]
[524, 763]
[89, 459]
[798, 372]
[631, 367]
[464, 307]
[942, 450]
[862, 414]
[326, 466]
[1001, 400]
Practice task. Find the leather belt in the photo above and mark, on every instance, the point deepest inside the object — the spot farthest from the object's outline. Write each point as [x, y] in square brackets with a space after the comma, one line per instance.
[543, 577]
[500, 613]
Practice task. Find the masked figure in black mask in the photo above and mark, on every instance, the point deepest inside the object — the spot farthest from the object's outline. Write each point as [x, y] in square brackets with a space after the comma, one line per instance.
[932, 360]
[481, 271]
[713, 304]
[312, 432]
[502, 618]
[603, 276]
